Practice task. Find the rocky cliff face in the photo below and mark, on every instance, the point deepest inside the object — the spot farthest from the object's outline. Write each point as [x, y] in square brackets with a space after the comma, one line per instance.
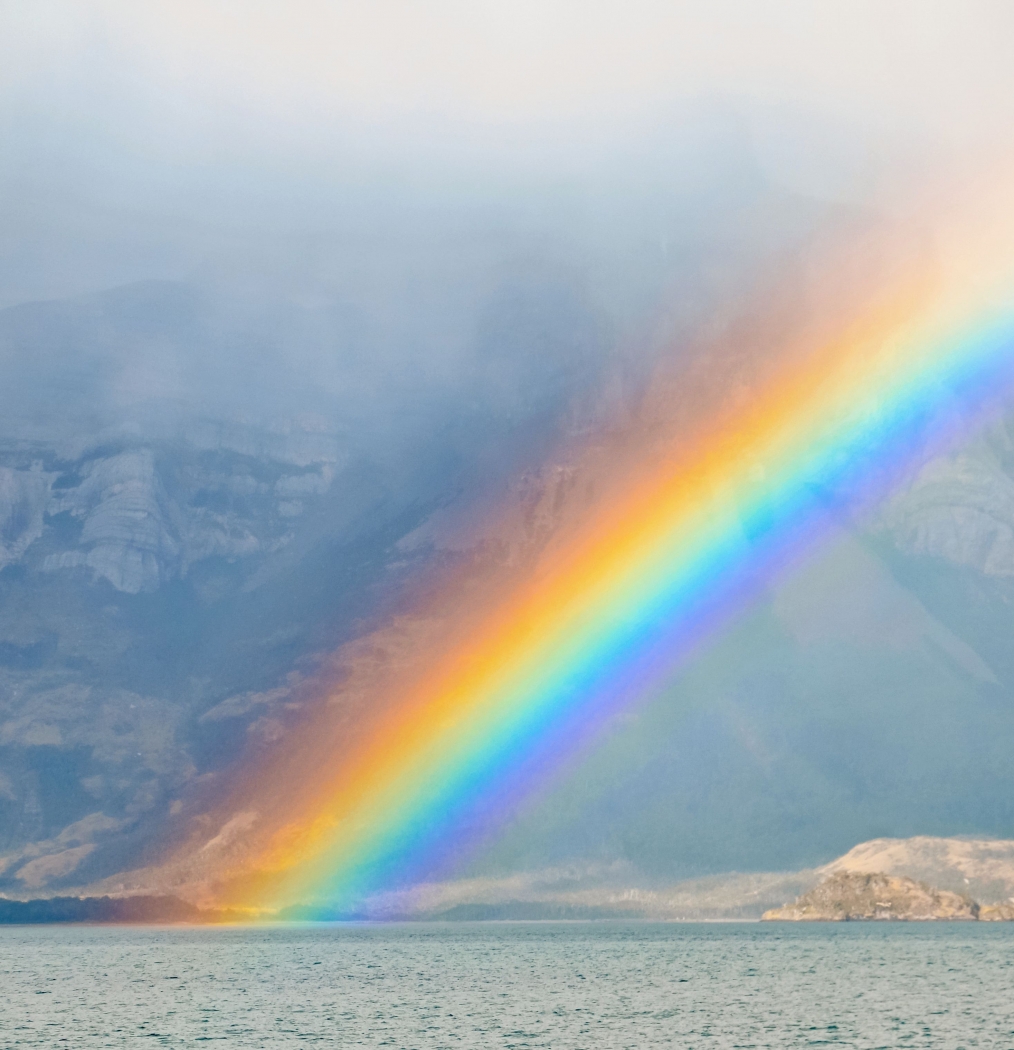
[124, 573]
[24, 498]
[174, 573]
[851, 896]
[966, 872]
[996, 913]
[145, 516]
[189, 527]
[960, 508]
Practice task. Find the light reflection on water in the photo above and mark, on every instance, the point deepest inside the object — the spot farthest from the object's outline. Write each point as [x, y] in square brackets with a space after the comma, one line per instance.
[511, 985]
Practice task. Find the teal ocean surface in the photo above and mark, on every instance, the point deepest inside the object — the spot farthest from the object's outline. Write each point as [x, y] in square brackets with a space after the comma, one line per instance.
[512, 985]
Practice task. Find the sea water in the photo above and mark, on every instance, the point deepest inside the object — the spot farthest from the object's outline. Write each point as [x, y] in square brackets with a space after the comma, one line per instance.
[559, 985]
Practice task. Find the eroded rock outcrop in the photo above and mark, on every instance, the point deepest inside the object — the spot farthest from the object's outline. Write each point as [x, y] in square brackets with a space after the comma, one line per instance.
[997, 913]
[850, 896]
[132, 529]
[23, 498]
[960, 509]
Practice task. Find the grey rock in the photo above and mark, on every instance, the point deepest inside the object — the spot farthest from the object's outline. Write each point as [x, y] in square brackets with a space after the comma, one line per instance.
[959, 508]
[24, 495]
[133, 532]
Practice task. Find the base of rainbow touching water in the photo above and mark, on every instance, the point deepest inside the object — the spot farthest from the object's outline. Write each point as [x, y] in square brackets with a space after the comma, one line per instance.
[697, 551]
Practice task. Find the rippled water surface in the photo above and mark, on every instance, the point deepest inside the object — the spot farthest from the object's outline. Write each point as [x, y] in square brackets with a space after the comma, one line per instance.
[510, 985]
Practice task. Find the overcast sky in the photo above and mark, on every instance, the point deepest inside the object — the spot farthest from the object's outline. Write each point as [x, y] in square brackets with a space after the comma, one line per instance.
[441, 229]
[940, 65]
[132, 130]
[196, 79]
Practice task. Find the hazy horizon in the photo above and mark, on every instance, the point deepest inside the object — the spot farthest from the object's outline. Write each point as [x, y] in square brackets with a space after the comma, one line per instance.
[304, 308]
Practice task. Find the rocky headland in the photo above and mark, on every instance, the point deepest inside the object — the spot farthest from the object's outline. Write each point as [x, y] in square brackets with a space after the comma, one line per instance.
[851, 896]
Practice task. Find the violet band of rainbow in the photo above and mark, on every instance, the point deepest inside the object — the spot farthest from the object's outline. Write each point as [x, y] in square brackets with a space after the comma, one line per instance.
[690, 550]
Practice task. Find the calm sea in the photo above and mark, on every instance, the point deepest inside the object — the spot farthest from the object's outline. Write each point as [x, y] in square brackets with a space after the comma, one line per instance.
[564, 985]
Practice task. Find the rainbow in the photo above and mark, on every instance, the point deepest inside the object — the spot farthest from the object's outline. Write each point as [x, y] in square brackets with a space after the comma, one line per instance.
[678, 551]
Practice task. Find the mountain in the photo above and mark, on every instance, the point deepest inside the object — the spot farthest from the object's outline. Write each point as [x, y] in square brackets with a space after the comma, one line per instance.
[189, 529]
[181, 574]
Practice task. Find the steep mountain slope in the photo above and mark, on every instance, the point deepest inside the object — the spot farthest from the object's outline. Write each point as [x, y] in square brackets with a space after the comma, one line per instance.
[174, 569]
[176, 577]
[869, 693]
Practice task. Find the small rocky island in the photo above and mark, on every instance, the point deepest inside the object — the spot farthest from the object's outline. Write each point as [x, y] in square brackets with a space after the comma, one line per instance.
[850, 896]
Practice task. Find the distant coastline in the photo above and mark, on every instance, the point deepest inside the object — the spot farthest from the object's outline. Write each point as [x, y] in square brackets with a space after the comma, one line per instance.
[915, 879]
[112, 910]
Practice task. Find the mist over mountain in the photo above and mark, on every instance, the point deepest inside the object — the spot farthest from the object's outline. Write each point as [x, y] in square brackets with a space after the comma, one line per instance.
[163, 553]
[176, 574]
[265, 368]
[206, 490]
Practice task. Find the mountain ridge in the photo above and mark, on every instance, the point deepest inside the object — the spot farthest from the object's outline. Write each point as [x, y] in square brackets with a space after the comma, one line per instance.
[181, 582]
